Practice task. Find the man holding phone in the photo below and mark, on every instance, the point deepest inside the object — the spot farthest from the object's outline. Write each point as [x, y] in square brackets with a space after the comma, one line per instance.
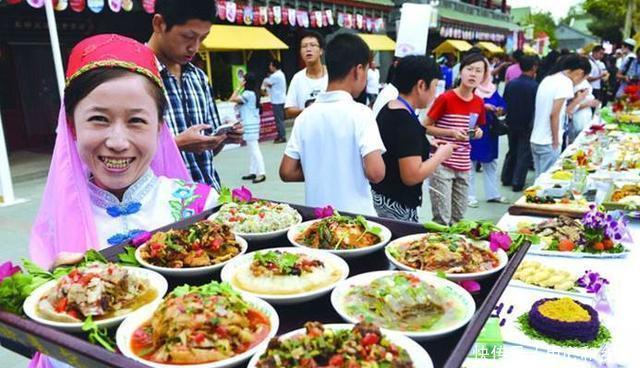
[178, 30]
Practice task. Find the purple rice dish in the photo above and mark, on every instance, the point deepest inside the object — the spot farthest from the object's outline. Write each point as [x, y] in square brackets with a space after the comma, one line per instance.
[559, 330]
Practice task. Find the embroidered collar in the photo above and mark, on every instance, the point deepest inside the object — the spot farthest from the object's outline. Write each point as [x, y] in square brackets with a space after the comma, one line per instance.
[134, 194]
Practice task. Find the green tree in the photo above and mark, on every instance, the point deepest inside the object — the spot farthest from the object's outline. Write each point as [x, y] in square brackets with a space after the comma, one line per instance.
[609, 17]
[543, 22]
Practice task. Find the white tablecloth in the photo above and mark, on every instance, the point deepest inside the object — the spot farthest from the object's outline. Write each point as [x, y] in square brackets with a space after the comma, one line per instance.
[624, 295]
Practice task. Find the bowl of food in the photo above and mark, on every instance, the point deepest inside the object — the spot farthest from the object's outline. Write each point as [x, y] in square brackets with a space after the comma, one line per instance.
[105, 291]
[416, 304]
[199, 249]
[257, 220]
[210, 326]
[364, 344]
[286, 275]
[458, 257]
[344, 236]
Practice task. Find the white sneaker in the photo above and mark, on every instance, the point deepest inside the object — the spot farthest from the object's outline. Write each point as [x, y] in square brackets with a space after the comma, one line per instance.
[473, 203]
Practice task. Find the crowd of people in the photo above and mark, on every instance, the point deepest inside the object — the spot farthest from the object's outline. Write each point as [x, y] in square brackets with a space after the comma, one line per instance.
[121, 160]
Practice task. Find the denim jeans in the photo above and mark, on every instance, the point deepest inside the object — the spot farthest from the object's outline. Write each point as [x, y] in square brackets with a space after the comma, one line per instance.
[544, 156]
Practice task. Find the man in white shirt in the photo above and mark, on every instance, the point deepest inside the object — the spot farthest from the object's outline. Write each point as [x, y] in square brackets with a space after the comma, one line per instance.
[628, 47]
[276, 84]
[551, 105]
[582, 115]
[598, 71]
[373, 83]
[310, 81]
[335, 146]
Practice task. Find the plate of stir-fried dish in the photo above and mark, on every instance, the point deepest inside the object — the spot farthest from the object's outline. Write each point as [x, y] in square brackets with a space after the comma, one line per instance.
[343, 345]
[199, 249]
[106, 292]
[344, 236]
[458, 257]
[210, 326]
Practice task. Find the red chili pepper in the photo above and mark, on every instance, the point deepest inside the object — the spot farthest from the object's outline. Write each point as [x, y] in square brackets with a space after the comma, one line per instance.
[61, 305]
[156, 246]
[215, 244]
[73, 313]
[199, 252]
[336, 360]
[221, 331]
[199, 337]
[370, 339]
[261, 215]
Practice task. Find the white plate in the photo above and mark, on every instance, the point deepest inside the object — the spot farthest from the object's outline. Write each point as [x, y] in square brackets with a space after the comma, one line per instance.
[502, 258]
[418, 355]
[522, 299]
[261, 236]
[191, 271]
[128, 327]
[156, 281]
[231, 268]
[461, 296]
[385, 236]
[575, 268]
[537, 250]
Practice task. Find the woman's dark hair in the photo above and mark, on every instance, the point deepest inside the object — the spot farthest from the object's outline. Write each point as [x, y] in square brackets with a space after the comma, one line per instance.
[571, 62]
[472, 59]
[251, 84]
[517, 55]
[179, 12]
[83, 84]
[412, 69]
[275, 63]
[345, 51]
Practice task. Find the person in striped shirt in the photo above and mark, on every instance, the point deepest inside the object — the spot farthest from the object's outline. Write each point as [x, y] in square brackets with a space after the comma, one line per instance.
[455, 117]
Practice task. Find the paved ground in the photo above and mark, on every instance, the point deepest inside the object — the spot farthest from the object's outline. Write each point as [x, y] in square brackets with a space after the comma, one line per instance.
[29, 171]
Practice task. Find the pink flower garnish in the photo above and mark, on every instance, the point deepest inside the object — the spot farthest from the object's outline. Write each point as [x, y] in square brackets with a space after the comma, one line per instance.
[7, 269]
[242, 194]
[471, 286]
[499, 240]
[326, 211]
[140, 238]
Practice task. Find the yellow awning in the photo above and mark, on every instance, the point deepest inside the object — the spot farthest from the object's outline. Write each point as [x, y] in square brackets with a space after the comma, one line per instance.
[452, 46]
[378, 42]
[490, 47]
[236, 38]
[528, 50]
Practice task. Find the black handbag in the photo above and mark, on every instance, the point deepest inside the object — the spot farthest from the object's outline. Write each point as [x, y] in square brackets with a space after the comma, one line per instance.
[498, 127]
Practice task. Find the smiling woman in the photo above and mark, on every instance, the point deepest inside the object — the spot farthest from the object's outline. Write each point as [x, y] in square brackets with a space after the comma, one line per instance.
[114, 161]
[116, 170]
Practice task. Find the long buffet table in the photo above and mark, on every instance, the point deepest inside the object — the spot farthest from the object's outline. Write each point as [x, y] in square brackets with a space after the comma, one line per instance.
[23, 335]
[623, 322]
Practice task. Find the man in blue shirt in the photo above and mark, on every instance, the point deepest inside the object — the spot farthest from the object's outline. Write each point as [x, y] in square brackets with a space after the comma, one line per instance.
[179, 27]
[520, 97]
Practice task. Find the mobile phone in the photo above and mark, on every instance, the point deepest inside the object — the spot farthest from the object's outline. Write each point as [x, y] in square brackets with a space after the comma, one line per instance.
[224, 129]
